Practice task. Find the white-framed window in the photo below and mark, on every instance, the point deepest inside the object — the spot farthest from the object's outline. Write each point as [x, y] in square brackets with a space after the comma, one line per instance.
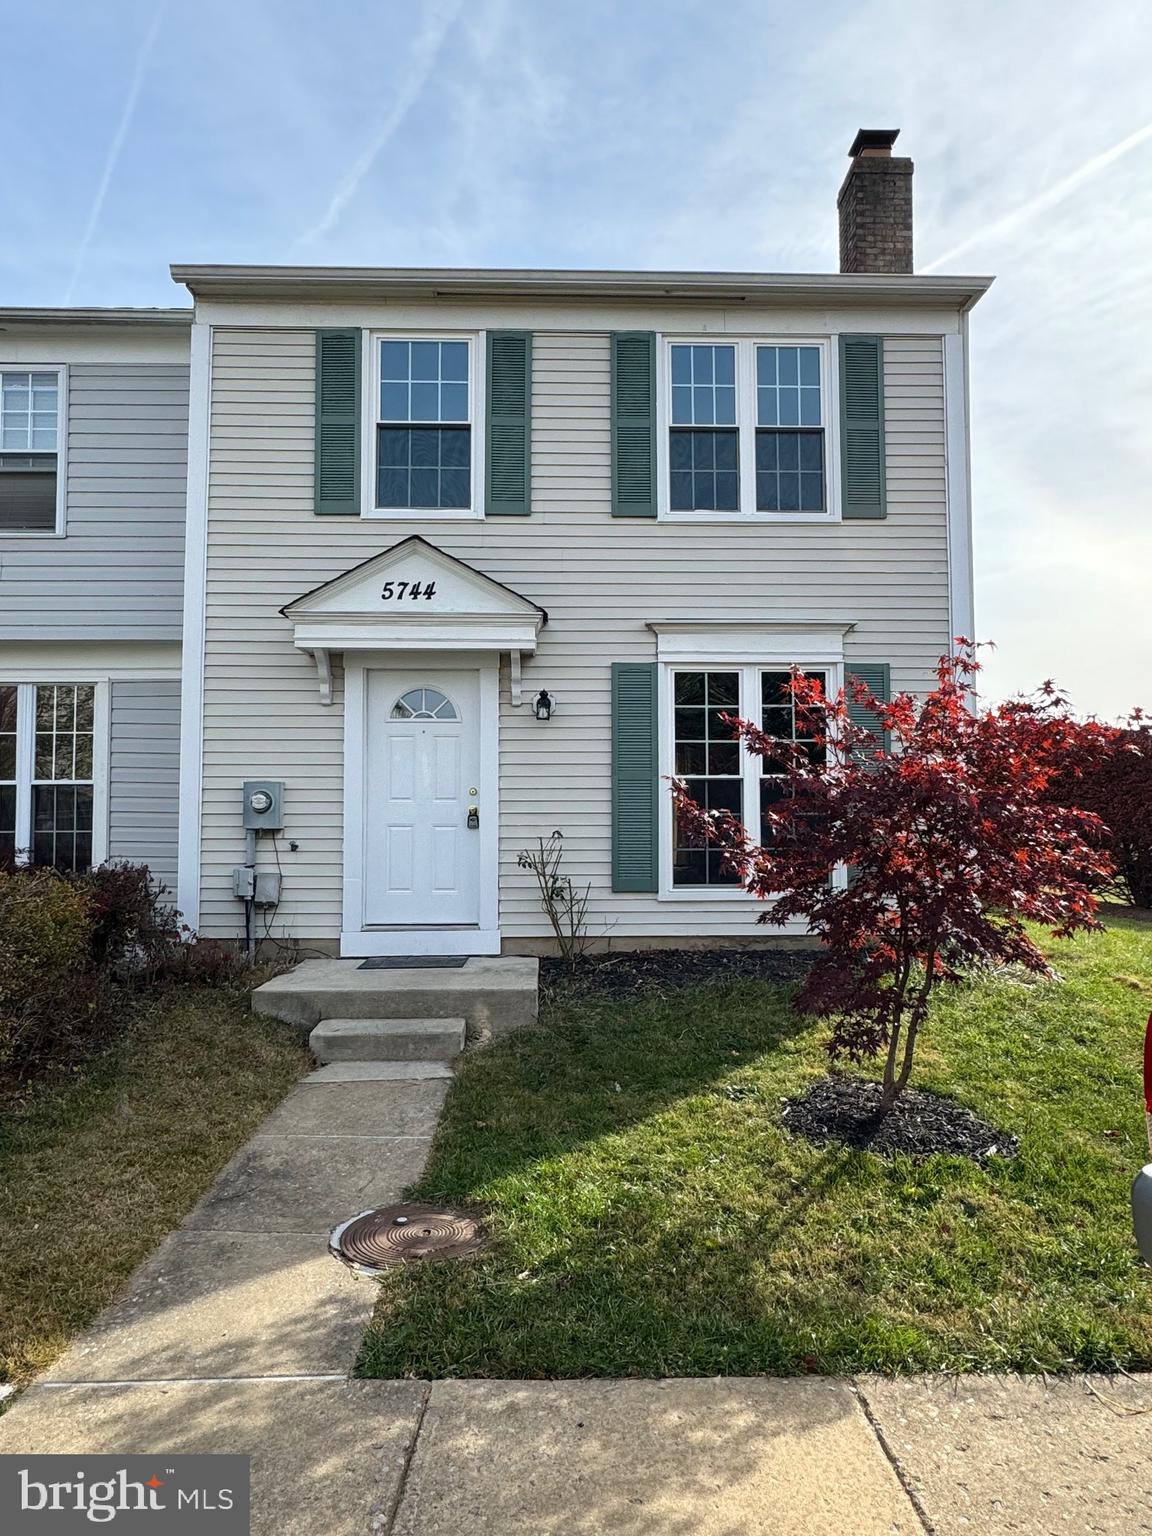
[721, 773]
[424, 458]
[747, 428]
[53, 774]
[32, 422]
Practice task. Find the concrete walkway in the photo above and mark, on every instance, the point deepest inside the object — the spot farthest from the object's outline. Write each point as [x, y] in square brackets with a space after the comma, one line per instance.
[240, 1332]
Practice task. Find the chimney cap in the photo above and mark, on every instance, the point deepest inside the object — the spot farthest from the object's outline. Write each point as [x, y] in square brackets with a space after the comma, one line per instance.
[874, 141]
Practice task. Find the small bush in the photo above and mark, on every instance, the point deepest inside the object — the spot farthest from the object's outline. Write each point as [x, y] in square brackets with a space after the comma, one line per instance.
[207, 963]
[1116, 785]
[49, 990]
[74, 949]
[135, 933]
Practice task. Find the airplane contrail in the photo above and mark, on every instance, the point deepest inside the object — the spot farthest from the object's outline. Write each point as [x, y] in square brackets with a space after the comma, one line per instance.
[425, 51]
[116, 146]
[1054, 194]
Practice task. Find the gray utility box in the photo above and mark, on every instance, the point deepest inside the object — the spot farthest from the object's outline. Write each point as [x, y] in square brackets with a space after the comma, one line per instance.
[263, 805]
[1142, 1211]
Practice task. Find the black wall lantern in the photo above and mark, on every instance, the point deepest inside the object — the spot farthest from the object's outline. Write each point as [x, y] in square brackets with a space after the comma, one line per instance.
[543, 705]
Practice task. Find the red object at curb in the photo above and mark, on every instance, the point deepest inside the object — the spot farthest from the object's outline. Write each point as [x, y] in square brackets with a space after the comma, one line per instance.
[1148, 1066]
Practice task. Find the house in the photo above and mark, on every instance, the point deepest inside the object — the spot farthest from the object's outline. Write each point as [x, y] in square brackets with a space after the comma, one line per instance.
[93, 447]
[473, 556]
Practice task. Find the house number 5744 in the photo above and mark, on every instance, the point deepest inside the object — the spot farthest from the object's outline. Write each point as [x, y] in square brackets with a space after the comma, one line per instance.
[394, 590]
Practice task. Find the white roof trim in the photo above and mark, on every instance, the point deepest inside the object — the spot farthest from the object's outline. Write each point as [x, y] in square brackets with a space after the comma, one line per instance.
[319, 283]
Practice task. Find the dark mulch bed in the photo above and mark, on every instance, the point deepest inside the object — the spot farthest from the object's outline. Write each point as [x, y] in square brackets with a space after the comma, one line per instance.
[630, 972]
[846, 1110]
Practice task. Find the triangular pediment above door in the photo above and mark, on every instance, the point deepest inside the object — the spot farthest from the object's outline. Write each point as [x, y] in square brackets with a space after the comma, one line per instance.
[412, 597]
[410, 569]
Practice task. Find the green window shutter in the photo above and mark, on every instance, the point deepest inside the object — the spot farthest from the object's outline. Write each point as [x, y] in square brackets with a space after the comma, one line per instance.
[635, 777]
[634, 424]
[877, 678]
[508, 472]
[862, 427]
[337, 490]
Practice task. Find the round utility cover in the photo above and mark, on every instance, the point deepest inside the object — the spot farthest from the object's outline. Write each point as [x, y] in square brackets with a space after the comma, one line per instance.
[404, 1234]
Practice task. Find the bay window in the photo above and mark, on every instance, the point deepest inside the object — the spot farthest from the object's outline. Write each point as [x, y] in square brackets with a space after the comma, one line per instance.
[747, 429]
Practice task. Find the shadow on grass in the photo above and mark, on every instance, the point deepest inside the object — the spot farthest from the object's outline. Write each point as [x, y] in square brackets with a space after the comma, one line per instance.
[594, 1070]
[651, 1216]
[620, 1225]
[647, 1292]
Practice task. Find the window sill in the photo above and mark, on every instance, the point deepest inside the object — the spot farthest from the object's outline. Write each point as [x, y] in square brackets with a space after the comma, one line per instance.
[709, 893]
[666, 516]
[31, 533]
[424, 514]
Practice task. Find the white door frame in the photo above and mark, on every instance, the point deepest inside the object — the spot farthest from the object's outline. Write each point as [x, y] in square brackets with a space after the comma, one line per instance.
[482, 938]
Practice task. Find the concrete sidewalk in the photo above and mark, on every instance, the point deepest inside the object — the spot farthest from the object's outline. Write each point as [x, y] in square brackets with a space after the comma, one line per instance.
[240, 1332]
[733, 1457]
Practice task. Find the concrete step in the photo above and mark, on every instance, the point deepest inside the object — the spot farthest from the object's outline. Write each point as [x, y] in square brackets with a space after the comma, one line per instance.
[387, 1039]
[379, 1072]
[493, 994]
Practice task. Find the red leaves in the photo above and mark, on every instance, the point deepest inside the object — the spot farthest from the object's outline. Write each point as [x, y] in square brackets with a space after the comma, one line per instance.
[953, 837]
[1114, 780]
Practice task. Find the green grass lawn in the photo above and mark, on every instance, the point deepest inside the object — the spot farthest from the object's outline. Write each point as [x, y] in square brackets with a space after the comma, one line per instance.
[96, 1170]
[651, 1217]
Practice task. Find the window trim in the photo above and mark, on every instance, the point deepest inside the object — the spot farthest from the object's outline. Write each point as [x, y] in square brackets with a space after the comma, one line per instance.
[62, 392]
[370, 394]
[716, 661]
[26, 758]
[746, 425]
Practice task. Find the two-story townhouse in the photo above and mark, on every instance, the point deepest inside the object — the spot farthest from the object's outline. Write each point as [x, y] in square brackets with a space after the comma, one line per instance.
[93, 443]
[477, 555]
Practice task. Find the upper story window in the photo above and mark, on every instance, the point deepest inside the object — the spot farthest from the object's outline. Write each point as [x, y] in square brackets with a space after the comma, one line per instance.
[30, 417]
[789, 430]
[747, 423]
[703, 468]
[424, 458]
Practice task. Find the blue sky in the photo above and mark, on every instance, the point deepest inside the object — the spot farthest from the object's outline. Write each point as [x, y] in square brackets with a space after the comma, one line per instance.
[680, 134]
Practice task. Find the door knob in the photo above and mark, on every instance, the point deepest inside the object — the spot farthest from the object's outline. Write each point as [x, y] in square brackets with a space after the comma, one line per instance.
[473, 817]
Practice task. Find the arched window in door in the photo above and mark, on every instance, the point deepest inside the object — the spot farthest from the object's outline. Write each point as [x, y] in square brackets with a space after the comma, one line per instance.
[424, 704]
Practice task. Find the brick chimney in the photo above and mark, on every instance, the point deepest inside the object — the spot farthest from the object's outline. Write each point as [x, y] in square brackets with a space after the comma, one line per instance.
[875, 206]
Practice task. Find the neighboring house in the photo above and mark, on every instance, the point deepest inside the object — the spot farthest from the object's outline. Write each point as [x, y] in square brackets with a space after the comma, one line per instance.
[93, 442]
[473, 556]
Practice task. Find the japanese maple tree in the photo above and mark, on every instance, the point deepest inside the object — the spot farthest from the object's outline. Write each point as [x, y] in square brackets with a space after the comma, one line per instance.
[940, 814]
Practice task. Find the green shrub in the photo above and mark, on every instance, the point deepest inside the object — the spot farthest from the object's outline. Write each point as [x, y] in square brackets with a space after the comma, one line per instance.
[49, 991]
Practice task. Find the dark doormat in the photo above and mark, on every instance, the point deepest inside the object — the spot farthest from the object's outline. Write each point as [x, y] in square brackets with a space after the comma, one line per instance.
[413, 963]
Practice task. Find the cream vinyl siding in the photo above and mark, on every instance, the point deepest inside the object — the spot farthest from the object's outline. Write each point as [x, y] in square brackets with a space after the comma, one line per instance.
[144, 777]
[601, 579]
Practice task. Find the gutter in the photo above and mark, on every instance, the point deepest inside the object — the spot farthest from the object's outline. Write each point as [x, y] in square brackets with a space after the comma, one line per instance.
[167, 318]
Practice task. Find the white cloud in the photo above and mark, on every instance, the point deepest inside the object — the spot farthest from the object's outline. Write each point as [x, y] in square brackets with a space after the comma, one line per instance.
[418, 69]
[117, 145]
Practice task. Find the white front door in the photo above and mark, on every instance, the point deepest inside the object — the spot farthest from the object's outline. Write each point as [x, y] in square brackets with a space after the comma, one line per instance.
[423, 805]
